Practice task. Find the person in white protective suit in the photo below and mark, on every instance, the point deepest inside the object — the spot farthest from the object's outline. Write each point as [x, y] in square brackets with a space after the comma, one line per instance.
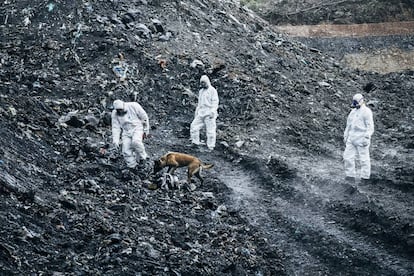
[130, 119]
[357, 138]
[205, 114]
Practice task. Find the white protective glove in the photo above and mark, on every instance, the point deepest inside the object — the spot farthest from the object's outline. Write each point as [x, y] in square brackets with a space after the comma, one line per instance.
[116, 145]
[365, 142]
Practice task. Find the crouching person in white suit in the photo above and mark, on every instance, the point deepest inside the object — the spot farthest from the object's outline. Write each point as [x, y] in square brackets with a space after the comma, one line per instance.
[130, 120]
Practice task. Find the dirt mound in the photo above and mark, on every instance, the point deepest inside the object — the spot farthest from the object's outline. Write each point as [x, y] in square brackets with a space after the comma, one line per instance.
[274, 203]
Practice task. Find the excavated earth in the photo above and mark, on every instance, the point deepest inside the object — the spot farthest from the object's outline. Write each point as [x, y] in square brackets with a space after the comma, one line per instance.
[275, 202]
[376, 47]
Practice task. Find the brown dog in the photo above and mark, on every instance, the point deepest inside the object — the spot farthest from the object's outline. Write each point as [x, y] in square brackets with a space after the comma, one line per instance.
[174, 160]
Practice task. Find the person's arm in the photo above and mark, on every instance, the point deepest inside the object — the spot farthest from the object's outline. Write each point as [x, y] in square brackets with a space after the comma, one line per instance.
[143, 116]
[348, 126]
[198, 103]
[214, 100]
[369, 122]
[116, 129]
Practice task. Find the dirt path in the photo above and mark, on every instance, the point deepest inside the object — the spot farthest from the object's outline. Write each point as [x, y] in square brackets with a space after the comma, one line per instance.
[319, 227]
[303, 224]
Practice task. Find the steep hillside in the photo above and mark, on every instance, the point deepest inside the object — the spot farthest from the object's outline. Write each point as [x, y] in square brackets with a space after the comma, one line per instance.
[274, 204]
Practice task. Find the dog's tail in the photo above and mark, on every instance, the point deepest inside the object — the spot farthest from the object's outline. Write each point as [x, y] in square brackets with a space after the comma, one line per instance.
[207, 166]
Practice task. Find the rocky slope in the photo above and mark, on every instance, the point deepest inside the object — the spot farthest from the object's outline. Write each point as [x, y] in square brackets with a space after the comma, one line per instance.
[274, 204]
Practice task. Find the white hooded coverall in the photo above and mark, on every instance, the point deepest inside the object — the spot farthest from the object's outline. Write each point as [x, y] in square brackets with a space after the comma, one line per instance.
[132, 125]
[205, 114]
[357, 137]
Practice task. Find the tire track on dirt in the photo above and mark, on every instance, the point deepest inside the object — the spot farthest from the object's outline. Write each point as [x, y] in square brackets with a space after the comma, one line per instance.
[311, 240]
[254, 203]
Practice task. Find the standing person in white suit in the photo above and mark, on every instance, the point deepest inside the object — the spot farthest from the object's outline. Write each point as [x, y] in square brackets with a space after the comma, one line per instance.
[205, 114]
[357, 138]
[130, 120]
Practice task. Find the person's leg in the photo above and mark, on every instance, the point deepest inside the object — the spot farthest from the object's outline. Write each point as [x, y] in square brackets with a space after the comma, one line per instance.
[128, 152]
[365, 162]
[211, 132]
[137, 144]
[349, 159]
[195, 127]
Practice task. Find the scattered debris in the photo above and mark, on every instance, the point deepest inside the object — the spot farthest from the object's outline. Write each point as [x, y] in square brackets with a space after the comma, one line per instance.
[70, 206]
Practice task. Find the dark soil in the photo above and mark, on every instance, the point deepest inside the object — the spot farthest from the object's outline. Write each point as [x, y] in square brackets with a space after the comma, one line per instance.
[311, 12]
[275, 202]
[344, 45]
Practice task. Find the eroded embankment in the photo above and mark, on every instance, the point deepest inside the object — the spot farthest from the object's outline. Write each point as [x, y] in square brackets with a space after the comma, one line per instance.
[351, 30]
[381, 47]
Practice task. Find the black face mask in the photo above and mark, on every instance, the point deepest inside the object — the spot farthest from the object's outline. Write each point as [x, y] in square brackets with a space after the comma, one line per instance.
[355, 104]
[203, 85]
[120, 112]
